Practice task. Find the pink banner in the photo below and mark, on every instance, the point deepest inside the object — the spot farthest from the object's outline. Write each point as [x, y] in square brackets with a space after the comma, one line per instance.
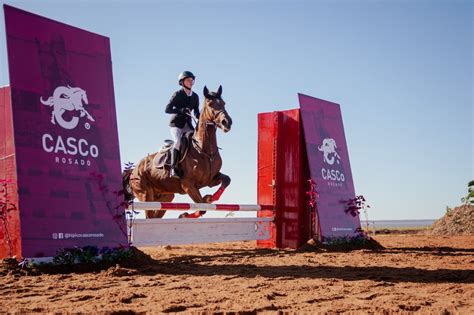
[329, 165]
[66, 138]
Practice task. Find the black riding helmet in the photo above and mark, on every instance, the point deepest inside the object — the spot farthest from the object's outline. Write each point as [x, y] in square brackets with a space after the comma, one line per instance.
[185, 74]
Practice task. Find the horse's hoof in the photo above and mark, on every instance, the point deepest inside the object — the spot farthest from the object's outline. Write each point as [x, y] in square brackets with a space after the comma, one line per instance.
[207, 199]
[183, 215]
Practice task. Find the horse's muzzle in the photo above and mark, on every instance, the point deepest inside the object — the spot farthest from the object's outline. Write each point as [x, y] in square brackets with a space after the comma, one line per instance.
[226, 124]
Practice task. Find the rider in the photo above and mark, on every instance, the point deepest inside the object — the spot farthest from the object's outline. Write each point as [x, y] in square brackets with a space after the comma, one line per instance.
[181, 104]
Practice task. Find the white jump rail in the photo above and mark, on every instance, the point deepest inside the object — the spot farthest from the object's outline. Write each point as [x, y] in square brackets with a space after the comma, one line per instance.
[157, 232]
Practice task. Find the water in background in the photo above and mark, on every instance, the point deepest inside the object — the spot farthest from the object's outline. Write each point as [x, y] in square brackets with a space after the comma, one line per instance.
[397, 223]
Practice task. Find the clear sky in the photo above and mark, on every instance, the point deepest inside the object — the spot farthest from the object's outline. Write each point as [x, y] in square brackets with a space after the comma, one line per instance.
[401, 70]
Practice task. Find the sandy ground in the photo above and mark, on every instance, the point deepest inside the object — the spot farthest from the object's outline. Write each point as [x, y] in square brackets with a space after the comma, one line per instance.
[427, 274]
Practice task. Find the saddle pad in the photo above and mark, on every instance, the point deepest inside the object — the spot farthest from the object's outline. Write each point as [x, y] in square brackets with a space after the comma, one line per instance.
[162, 159]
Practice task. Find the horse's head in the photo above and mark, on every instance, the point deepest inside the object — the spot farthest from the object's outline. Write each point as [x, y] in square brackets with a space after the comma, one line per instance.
[214, 110]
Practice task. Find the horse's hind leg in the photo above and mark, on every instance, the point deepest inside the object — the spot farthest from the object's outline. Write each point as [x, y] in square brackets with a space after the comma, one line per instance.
[195, 195]
[157, 214]
[148, 196]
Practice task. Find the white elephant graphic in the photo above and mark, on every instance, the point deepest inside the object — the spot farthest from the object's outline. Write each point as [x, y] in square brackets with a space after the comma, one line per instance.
[329, 149]
[67, 99]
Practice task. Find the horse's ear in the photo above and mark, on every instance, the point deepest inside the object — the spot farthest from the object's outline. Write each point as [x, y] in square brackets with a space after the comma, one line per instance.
[219, 91]
[206, 92]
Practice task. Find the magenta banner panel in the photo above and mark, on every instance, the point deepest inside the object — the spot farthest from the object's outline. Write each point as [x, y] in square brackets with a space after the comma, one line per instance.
[329, 165]
[65, 132]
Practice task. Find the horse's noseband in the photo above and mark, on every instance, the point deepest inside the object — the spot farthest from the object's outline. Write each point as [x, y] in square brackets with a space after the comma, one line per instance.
[218, 113]
[213, 121]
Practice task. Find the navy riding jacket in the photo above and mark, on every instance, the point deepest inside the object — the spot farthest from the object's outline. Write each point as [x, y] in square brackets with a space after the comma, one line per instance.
[179, 103]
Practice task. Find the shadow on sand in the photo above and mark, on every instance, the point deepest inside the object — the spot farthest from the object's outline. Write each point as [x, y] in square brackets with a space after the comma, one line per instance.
[197, 265]
[229, 263]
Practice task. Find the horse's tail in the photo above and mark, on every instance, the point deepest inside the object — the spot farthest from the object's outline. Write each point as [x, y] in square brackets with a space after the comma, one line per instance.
[49, 102]
[127, 189]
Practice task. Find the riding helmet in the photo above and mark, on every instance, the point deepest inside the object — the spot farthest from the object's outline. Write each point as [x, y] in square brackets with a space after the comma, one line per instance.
[185, 74]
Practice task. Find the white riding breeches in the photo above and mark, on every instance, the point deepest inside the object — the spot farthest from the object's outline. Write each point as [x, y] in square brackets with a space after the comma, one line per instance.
[177, 133]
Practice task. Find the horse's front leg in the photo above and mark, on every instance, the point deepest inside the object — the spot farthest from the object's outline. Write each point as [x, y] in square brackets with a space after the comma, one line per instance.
[196, 196]
[222, 179]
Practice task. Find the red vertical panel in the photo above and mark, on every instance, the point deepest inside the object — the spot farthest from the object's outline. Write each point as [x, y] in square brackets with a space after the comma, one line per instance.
[10, 236]
[290, 181]
[266, 171]
[282, 176]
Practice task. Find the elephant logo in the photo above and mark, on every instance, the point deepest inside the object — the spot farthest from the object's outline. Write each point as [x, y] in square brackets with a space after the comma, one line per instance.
[67, 99]
[329, 151]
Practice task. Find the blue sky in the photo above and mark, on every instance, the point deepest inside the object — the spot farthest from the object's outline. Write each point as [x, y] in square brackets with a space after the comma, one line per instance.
[401, 70]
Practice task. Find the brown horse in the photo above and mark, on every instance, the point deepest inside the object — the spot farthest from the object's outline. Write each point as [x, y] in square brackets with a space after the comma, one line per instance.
[200, 166]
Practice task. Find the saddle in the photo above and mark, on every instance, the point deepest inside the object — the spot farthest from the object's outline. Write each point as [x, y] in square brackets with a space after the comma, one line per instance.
[163, 157]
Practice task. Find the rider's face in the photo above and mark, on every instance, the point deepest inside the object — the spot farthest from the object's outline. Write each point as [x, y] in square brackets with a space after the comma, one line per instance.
[188, 83]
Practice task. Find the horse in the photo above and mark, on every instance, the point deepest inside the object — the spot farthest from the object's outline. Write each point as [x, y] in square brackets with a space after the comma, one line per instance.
[200, 164]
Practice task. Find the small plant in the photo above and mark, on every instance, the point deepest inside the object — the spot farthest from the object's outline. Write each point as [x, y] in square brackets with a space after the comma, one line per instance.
[313, 197]
[6, 205]
[67, 256]
[127, 190]
[449, 210]
[469, 199]
[128, 198]
[360, 239]
[114, 255]
[91, 255]
[353, 206]
[10, 264]
[88, 254]
[25, 263]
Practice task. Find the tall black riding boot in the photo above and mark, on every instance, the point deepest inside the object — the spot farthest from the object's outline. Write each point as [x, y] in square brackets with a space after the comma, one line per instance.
[174, 172]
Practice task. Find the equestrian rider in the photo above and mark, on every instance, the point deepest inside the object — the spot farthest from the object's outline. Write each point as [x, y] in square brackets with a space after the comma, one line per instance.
[181, 104]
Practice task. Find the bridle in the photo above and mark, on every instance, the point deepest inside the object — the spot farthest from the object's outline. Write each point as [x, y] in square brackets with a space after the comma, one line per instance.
[208, 123]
